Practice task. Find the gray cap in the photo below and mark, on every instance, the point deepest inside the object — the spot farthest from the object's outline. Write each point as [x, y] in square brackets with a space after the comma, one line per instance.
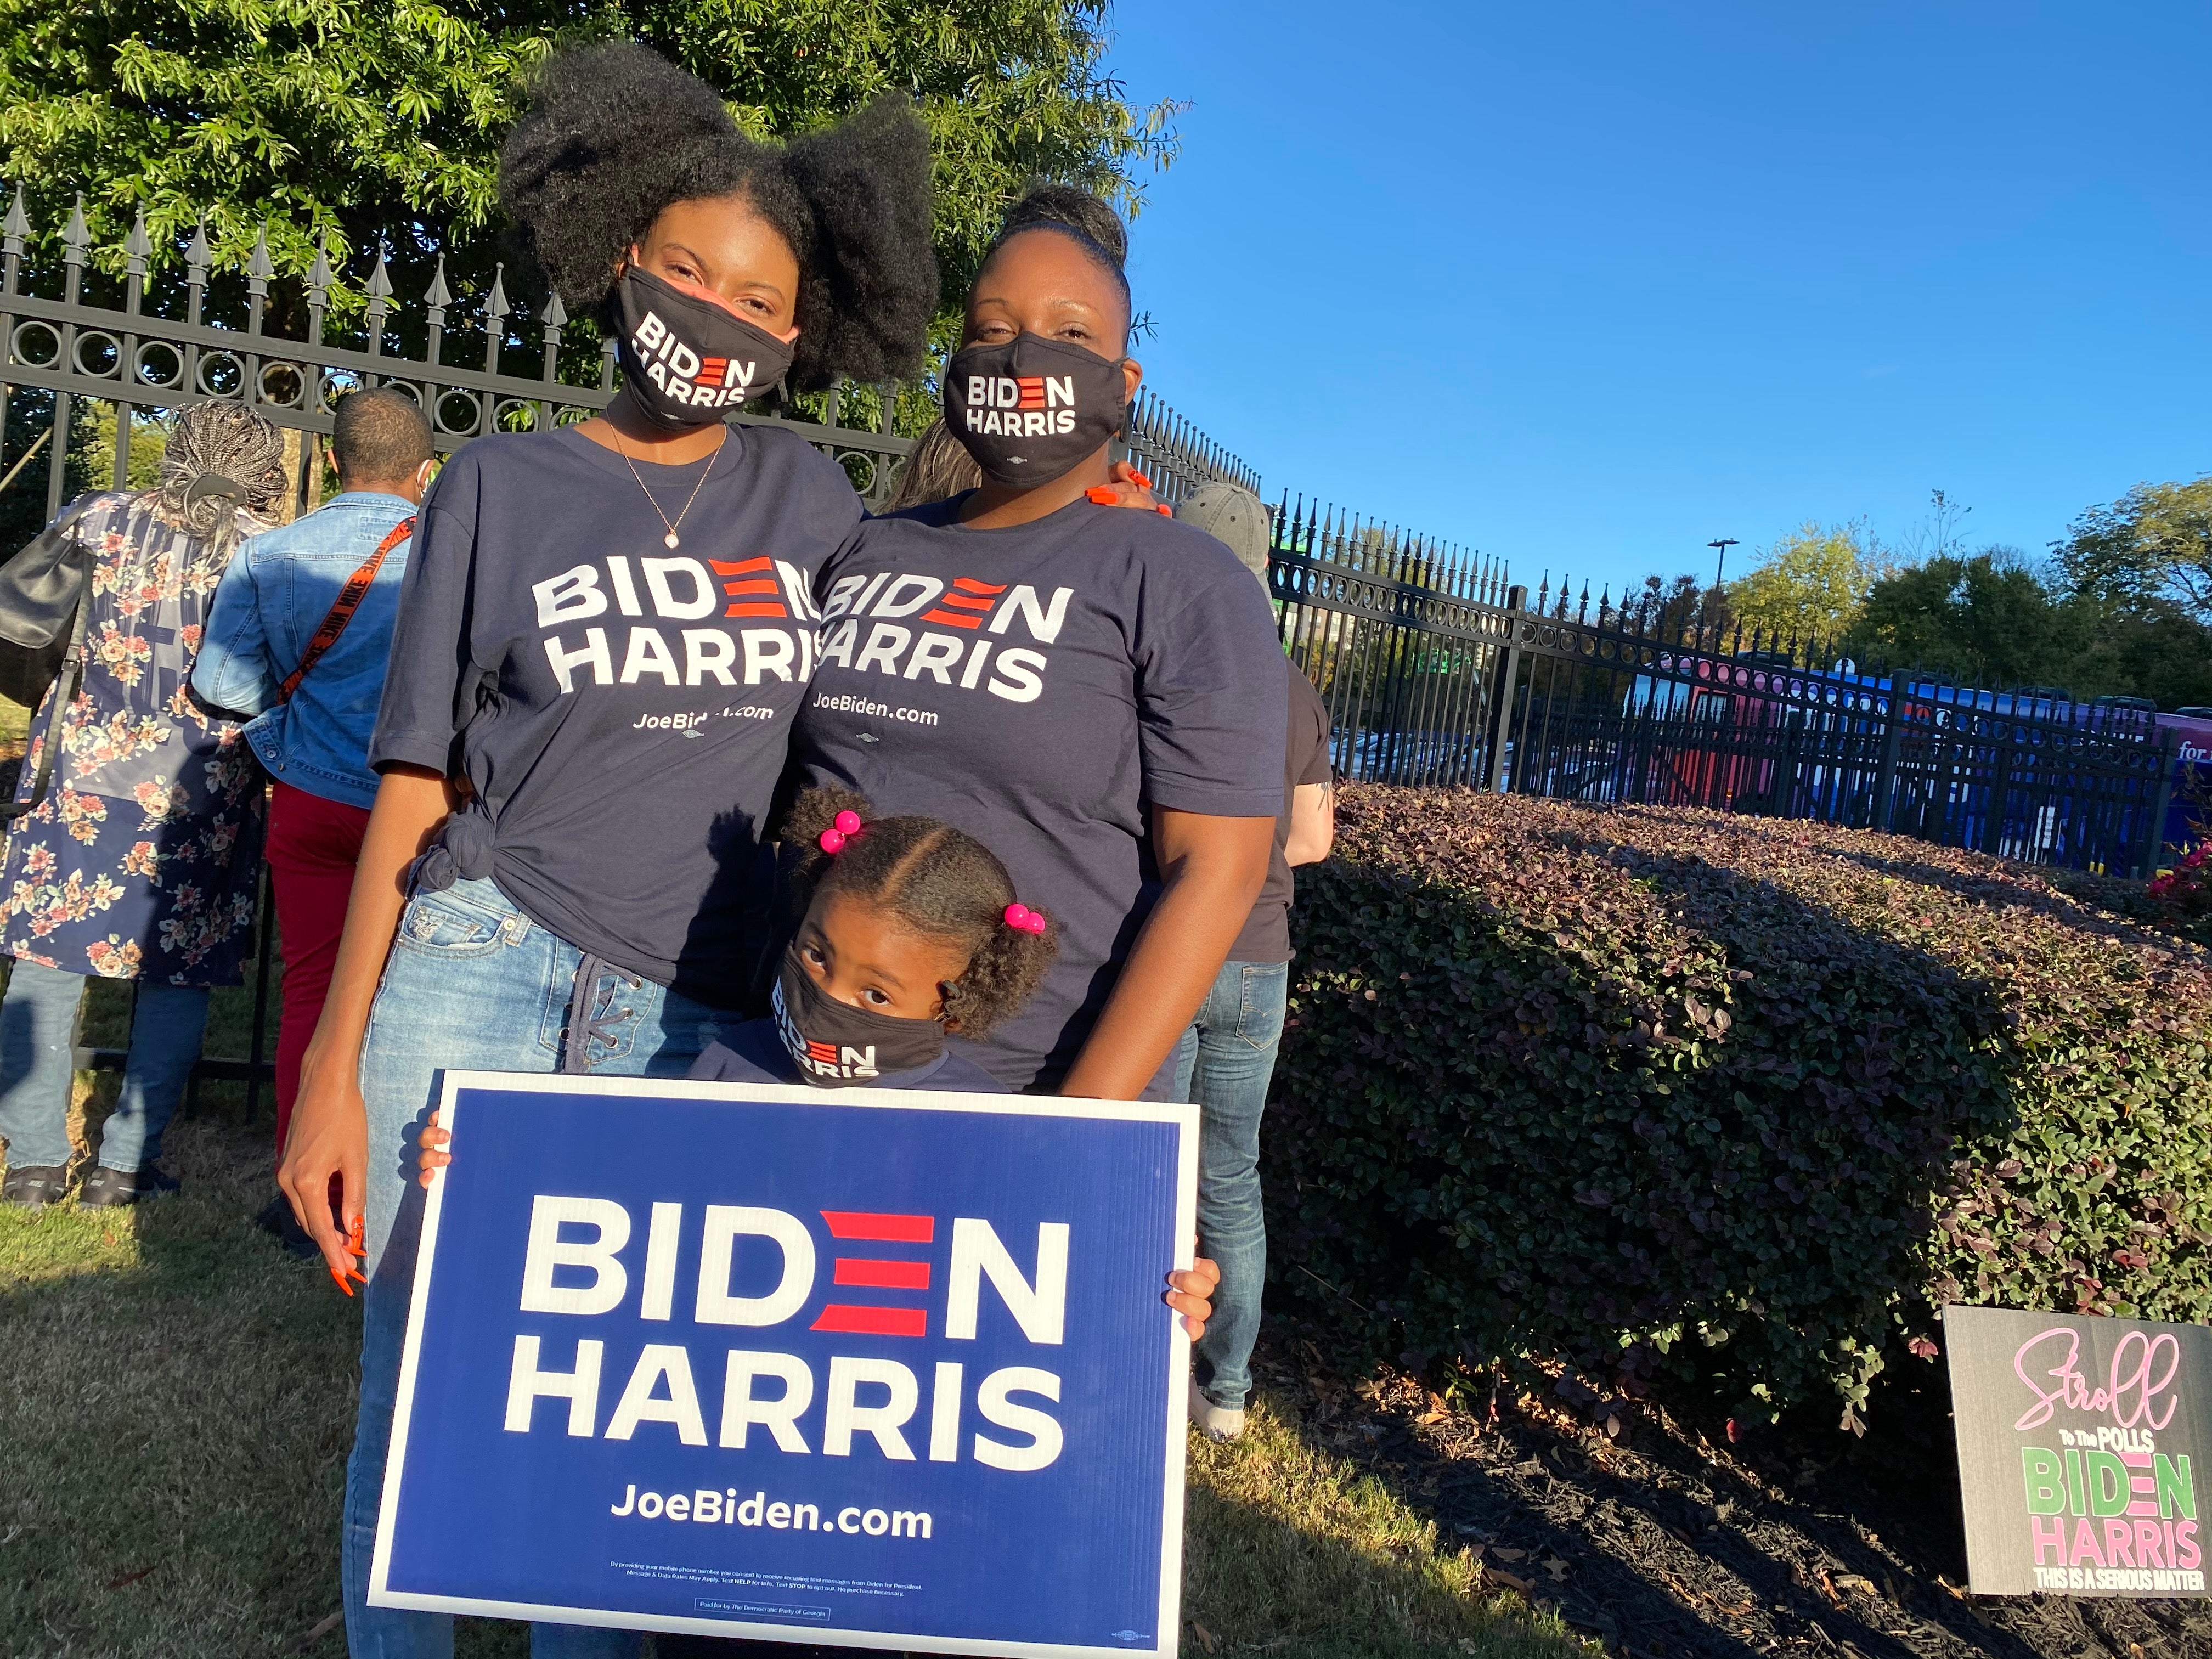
[1231, 513]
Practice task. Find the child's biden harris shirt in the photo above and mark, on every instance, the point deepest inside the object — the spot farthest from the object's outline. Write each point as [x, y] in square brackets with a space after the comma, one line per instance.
[1043, 687]
[621, 709]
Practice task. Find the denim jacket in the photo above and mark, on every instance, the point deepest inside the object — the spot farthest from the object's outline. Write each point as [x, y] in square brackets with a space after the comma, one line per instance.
[275, 592]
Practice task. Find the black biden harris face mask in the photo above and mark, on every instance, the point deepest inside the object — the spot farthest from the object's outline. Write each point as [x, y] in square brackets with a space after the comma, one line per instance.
[836, 1045]
[1032, 409]
[686, 360]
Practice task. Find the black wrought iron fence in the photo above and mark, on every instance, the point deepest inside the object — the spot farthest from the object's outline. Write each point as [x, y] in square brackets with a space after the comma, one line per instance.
[173, 330]
[1437, 670]
[146, 328]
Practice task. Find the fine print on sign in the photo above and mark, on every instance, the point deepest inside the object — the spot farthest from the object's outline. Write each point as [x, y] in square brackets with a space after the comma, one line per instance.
[852, 1367]
[2079, 1440]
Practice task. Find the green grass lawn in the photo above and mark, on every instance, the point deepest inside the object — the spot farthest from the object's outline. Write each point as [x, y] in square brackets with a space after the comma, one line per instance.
[177, 1398]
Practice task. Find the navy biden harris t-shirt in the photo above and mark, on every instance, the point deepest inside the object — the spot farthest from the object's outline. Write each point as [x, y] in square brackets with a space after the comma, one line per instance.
[1042, 687]
[621, 709]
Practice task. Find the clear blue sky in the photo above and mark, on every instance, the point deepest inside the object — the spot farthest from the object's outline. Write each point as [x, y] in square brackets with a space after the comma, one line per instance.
[1589, 286]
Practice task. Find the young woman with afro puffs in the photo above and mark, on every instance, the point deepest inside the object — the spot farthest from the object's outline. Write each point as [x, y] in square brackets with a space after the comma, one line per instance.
[605, 630]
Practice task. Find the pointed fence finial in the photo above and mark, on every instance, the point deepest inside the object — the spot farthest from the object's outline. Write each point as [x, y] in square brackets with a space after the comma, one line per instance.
[197, 256]
[17, 225]
[138, 245]
[75, 238]
[496, 313]
[440, 295]
[259, 268]
[379, 289]
[319, 274]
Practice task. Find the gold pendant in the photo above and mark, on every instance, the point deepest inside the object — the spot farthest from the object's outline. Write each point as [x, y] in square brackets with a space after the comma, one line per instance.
[668, 540]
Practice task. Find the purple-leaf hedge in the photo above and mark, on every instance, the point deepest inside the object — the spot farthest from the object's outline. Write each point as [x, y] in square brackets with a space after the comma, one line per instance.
[1647, 1089]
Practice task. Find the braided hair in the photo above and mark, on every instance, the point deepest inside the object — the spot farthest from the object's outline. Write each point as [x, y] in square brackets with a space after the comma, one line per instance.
[616, 134]
[220, 456]
[938, 881]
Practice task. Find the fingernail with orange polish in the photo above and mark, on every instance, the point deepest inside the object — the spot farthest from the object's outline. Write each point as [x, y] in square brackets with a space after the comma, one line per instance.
[1103, 495]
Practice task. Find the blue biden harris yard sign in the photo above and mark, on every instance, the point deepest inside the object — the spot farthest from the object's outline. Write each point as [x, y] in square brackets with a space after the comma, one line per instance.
[850, 1367]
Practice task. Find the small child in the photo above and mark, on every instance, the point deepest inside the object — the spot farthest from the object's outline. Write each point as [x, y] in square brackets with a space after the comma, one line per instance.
[912, 930]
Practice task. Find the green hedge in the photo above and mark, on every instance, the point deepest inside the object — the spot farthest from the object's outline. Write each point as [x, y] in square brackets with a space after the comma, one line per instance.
[1646, 1089]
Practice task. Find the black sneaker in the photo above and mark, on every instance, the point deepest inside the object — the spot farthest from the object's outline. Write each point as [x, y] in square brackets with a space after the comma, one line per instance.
[33, 1186]
[105, 1187]
[280, 1225]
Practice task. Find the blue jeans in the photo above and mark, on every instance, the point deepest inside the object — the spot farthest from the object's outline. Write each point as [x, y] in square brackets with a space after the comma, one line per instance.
[471, 982]
[1223, 1067]
[38, 1041]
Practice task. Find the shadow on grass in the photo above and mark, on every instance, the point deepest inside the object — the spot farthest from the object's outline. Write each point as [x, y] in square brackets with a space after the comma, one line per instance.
[177, 1399]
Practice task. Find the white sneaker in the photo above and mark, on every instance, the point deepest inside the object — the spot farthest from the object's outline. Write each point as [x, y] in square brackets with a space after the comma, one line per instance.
[1219, 1422]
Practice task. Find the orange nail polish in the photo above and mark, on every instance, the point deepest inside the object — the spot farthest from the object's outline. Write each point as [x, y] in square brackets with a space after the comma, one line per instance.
[337, 1280]
[1102, 494]
[1143, 482]
[1163, 510]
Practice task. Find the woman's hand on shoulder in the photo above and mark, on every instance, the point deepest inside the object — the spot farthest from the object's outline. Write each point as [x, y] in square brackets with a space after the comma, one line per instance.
[1130, 488]
[1191, 1294]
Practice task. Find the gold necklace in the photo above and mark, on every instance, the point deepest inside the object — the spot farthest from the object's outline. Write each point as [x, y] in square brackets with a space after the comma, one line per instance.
[671, 541]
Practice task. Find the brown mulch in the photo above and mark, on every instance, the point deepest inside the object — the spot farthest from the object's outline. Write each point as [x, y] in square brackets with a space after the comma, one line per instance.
[1659, 1541]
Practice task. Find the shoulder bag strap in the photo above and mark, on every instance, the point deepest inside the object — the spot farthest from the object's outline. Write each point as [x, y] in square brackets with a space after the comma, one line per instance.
[341, 612]
[67, 684]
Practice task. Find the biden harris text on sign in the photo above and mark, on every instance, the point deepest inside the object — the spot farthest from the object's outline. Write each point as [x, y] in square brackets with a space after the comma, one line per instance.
[850, 1366]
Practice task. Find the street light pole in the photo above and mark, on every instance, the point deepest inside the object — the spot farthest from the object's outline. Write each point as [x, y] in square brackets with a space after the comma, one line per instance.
[1720, 546]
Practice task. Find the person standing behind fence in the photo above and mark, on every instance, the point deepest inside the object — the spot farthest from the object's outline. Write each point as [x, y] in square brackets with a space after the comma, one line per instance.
[141, 862]
[1227, 1057]
[331, 580]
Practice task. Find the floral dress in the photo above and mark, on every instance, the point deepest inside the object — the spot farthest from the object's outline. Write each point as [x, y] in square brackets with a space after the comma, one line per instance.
[144, 856]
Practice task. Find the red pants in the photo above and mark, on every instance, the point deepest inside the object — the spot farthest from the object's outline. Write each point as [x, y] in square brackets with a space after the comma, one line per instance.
[312, 849]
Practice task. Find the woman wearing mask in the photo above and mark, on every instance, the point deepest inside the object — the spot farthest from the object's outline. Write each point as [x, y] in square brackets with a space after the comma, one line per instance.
[1083, 689]
[605, 632]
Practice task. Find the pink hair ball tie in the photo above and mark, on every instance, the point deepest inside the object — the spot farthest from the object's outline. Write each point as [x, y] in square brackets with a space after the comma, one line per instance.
[843, 828]
[1021, 918]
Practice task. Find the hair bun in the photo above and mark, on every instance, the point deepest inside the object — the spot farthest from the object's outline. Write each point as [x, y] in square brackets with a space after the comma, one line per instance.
[1067, 207]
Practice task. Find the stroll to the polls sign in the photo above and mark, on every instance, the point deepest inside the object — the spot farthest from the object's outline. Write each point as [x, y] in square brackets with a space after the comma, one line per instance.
[2080, 1442]
[842, 1366]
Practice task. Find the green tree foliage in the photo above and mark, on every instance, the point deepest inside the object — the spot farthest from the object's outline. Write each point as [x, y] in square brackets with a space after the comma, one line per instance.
[1681, 610]
[354, 122]
[2137, 576]
[2151, 550]
[1985, 619]
[1810, 585]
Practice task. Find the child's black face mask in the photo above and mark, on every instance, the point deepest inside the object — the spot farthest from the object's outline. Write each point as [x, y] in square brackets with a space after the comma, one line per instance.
[1031, 410]
[836, 1045]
